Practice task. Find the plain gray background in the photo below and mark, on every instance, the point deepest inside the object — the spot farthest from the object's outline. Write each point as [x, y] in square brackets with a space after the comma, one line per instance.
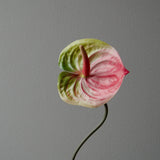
[35, 124]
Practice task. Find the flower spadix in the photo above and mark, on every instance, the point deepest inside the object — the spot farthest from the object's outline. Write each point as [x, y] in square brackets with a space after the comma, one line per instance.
[93, 73]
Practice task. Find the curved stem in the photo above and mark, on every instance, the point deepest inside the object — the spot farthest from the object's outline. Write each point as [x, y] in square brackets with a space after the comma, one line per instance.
[105, 117]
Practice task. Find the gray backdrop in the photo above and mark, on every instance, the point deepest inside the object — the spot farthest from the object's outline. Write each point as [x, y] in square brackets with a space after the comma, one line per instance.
[35, 124]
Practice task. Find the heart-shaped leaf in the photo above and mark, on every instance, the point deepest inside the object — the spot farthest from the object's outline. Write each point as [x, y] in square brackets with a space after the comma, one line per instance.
[93, 73]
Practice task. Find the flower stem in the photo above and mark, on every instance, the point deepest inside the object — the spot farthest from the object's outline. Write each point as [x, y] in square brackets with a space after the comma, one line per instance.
[105, 117]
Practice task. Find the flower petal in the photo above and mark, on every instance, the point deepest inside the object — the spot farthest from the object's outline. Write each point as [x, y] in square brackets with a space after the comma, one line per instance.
[103, 81]
[68, 85]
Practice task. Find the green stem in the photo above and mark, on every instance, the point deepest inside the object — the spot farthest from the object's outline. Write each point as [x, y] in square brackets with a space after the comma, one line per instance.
[105, 117]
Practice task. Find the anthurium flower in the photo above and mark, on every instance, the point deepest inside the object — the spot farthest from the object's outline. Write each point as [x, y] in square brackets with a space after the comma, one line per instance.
[93, 73]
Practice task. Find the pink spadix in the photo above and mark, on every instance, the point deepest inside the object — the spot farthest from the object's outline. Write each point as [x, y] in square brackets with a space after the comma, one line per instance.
[86, 63]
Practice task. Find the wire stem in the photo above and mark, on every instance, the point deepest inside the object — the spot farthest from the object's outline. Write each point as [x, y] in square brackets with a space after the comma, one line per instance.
[105, 117]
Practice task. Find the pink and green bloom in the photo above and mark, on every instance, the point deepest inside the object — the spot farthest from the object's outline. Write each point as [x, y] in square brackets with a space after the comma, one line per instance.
[93, 73]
